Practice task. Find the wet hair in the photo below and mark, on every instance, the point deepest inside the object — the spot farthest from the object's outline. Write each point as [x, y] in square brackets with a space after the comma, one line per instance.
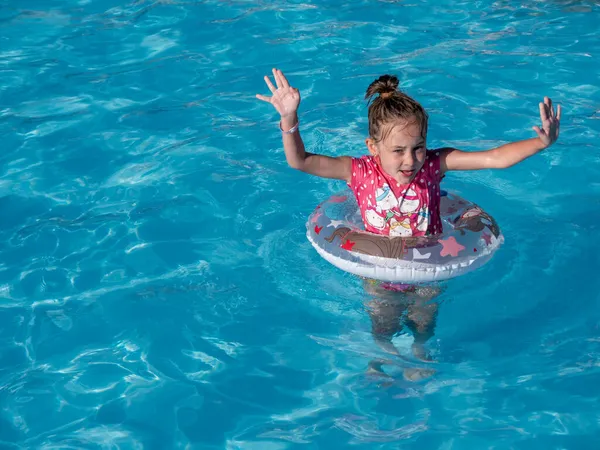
[390, 106]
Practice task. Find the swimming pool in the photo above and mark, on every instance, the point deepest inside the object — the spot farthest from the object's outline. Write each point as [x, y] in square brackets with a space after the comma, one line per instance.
[157, 287]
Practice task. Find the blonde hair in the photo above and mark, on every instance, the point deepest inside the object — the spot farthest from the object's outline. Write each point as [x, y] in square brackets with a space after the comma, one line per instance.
[391, 105]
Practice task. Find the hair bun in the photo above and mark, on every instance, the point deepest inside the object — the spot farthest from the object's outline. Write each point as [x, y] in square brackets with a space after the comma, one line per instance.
[385, 86]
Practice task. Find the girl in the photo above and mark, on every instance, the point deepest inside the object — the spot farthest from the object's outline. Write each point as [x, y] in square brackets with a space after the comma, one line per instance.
[397, 185]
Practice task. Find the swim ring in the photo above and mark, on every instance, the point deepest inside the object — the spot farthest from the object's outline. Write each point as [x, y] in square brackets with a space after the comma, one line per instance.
[469, 240]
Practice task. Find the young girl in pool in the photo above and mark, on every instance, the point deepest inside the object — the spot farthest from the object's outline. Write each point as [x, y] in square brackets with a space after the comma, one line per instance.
[397, 185]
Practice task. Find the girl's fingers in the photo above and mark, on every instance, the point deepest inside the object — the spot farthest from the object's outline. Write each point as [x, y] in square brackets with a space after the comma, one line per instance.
[558, 111]
[543, 112]
[276, 76]
[264, 98]
[270, 85]
[283, 79]
[548, 103]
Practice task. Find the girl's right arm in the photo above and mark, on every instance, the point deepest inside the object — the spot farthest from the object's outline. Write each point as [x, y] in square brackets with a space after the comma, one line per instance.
[286, 100]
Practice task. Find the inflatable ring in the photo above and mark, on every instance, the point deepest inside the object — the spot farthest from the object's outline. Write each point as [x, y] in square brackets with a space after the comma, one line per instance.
[469, 240]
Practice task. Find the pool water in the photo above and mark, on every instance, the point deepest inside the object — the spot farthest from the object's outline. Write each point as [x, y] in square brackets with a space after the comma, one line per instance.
[157, 289]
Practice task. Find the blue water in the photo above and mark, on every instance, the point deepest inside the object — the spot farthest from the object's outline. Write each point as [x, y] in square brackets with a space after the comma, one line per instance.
[157, 290]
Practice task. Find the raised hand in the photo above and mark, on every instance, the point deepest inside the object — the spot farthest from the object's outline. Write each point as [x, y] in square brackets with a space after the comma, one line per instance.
[549, 132]
[285, 99]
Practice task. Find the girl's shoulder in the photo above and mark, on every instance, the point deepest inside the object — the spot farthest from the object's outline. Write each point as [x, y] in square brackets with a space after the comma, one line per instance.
[433, 153]
[364, 166]
[365, 174]
[364, 159]
[431, 168]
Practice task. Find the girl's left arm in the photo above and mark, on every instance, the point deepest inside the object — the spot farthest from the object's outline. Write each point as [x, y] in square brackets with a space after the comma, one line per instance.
[509, 154]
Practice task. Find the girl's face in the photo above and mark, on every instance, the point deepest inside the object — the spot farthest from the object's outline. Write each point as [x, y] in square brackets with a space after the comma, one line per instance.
[402, 153]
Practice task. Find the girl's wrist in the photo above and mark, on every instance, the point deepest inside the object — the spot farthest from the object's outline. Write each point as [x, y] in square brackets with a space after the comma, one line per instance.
[541, 145]
[289, 121]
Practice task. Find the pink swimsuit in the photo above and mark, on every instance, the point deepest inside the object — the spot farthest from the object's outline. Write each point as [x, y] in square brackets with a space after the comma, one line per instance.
[396, 209]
